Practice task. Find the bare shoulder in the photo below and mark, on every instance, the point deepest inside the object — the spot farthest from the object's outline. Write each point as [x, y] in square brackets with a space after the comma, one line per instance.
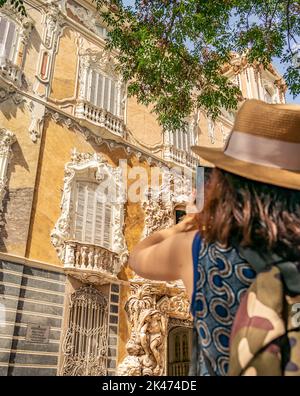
[169, 260]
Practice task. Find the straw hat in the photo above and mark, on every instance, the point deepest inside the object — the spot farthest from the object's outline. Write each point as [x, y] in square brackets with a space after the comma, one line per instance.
[264, 144]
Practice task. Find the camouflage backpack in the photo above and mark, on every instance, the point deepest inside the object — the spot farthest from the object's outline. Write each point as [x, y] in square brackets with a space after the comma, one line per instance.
[265, 337]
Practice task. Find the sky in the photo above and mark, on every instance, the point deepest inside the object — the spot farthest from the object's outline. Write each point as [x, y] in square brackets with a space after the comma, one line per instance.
[280, 67]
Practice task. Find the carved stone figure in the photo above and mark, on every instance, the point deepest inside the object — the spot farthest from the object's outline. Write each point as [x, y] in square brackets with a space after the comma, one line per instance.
[152, 332]
[149, 308]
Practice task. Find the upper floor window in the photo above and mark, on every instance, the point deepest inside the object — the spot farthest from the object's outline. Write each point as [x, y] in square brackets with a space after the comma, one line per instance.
[14, 35]
[8, 40]
[103, 91]
[93, 216]
[182, 139]
[102, 94]
[92, 207]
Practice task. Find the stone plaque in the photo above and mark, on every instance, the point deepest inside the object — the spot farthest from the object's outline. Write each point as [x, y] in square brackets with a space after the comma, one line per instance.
[37, 334]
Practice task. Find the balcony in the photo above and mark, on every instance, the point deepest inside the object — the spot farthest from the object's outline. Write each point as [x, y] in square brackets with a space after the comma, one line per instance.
[180, 157]
[11, 72]
[98, 117]
[90, 263]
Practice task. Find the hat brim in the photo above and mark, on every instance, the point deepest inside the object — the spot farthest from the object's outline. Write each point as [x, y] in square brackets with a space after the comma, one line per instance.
[261, 173]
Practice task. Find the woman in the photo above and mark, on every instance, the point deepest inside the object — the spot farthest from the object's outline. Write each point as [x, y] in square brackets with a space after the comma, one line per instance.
[251, 214]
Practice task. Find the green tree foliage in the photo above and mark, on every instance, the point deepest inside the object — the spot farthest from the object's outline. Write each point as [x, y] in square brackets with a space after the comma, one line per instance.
[18, 4]
[172, 52]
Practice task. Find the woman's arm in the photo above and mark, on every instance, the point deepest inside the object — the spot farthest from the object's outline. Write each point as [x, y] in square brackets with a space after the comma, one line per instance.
[164, 254]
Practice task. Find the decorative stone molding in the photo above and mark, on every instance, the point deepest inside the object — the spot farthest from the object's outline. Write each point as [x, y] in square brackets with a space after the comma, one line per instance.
[37, 117]
[77, 257]
[7, 139]
[149, 308]
[99, 60]
[91, 20]
[92, 264]
[54, 21]
[70, 123]
[159, 205]
[25, 23]
[12, 72]
[9, 92]
[100, 117]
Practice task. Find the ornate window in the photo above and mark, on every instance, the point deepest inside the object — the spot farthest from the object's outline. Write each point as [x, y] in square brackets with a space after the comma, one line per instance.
[92, 216]
[85, 345]
[14, 33]
[88, 236]
[102, 94]
[178, 144]
[90, 19]
[7, 139]
[8, 39]
[102, 91]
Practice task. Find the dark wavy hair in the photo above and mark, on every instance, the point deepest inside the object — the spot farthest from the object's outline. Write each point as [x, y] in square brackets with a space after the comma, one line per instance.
[253, 214]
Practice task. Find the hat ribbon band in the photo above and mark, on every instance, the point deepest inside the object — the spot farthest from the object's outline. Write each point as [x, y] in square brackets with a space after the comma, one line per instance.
[263, 151]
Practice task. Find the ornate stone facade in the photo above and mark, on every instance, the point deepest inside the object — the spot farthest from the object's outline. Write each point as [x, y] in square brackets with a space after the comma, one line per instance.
[150, 308]
[7, 139]
[89, 263]
[45, 100]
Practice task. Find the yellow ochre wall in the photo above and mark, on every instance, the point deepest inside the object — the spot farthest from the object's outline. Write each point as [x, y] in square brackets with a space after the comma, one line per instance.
[21, 173]
[65, 67]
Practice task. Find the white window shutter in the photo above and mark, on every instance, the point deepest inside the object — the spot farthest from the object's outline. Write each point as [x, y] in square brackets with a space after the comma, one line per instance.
[10, 40]
[93, 216]
[79, 212]
[99, 222]
[112, 97]
[3, 23]
[93, 87]
[105, 96]
[7, 38]
[107, 226]
[99, 89]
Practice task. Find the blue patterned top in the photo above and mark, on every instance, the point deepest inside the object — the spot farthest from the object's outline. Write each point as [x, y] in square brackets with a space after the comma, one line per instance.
[221, 276]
